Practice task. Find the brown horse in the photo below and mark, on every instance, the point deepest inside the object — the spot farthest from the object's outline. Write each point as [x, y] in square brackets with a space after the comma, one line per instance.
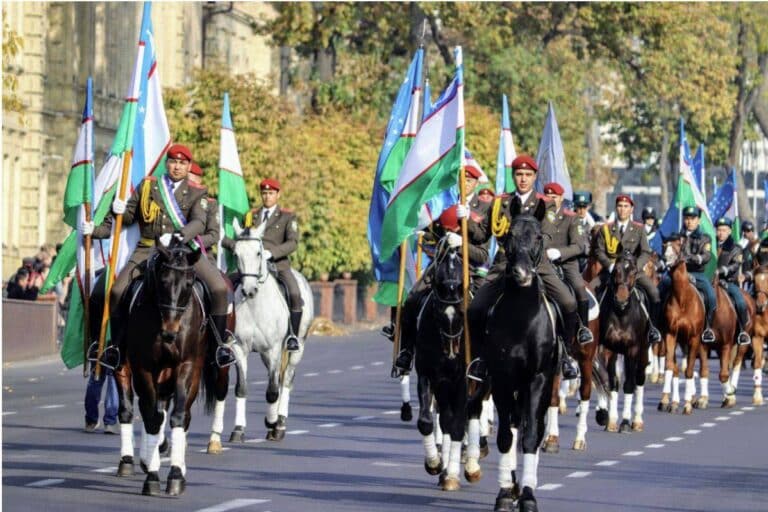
[759, 332]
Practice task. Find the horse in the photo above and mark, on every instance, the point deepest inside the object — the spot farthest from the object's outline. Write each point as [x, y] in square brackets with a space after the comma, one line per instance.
[624, 331]
[520, 346]
[167, 353]
[263, 320]
[759, 313]
[684, 318]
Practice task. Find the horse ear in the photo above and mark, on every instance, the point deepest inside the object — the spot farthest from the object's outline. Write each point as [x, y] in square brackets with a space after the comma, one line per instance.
[236, 227]
[541, 210]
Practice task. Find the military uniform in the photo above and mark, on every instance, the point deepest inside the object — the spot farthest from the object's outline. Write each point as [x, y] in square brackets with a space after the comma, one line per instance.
[697, 251]
[211, 235]
[729, 261]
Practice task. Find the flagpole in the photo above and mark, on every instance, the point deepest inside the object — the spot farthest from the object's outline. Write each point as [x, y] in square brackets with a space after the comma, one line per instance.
[419, 251]
[113, 260]
[399, 311]
[87, 291]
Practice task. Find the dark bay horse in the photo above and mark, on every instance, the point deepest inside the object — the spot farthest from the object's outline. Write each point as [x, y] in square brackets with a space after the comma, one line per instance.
[624, 331]
[518, 339]
[441, 367]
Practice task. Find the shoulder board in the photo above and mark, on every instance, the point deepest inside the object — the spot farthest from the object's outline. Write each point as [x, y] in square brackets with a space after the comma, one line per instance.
[568, 213]
[151, 178]
[286, 210]
[195, 185]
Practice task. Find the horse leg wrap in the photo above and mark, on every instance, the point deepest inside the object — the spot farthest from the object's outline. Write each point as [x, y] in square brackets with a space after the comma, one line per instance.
[285, 399]
[639, 397]
[153, 452]
[530, 470]
[728, 388]
[178, 448]
[581, 425]
[676, 389]
[218, 419]
[626, 413]
[446, 449]
[613, 406]
[734, 380]
[553, 428]
[507, 464]
[486, 417]
[454, 461]
[757, 377]
[271, 413]
[126, 439]
[405, 388]
[473, 439]
[430, 448]
[704, 386]
[240, 412]
[161, 433]
[667, 382]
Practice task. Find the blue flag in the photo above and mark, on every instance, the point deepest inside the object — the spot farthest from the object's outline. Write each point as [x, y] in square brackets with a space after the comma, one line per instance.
[722, 201]
[699, 171]
[551, 158]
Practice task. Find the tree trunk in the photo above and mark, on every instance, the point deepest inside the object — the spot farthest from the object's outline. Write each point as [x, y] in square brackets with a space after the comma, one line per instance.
[437, 37]
[664, 168]
[594, 164]
[420, 33]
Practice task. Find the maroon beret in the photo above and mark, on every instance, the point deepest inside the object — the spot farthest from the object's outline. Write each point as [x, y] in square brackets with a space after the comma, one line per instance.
[624, 197]
[524, 162]
[179, 151]
[553, 188]
[472, 172]
[449, 219]
[195, 169]
[270, 184]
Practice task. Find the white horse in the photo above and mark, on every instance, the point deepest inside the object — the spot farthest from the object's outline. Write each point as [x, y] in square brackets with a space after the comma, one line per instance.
[263, 321]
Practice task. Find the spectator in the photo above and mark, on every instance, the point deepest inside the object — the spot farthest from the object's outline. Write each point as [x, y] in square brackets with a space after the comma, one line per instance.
[22, 287]
[92, 398]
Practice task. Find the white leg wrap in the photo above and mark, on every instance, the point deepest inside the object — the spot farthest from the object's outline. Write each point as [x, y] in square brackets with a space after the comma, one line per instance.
[639, 397]
[704, 386]
[727, 388]
[581, 425]
[430, 448]
[178, 448]
[240, 420]
[143, 449]
[506, 466]
[602, 400]
[218, 418]
[153, 443]
[757, 377]
[652, 362]
[272, 412]
[126, 439]
[454, 463]
[676, 389]
[553, 429]
[667, 381]
[438, 430]
[161, 433]
[734, 379]
[613, 406]
[620, 368]
[626, 413]
[530, 470]
[285, 399]
[689, 389]
[563, 391]
[486, 417]
[405, 388]
[662, 363]
[445, 448]
[473, 439]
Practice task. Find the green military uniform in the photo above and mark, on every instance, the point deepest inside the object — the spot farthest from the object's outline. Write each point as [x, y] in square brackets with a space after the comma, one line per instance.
[729, 261]
[210, 237]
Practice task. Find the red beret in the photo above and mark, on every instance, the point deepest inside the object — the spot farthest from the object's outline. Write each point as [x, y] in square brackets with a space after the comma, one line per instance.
[524, 162]
[472, 172]
[195, 169]
[553, 188]
[179, 151]
[270, 184]
[624, 197]
[449, 220]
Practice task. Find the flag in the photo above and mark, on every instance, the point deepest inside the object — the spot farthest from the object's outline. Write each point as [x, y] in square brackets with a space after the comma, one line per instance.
[551, 157]
[699, 171]
[765, 204]
[505, 182]
[233, 199]
[721, 203]
[401, 128]
[430, 166]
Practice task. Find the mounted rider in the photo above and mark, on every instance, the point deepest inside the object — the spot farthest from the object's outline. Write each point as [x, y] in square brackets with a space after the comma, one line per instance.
[729, 261]
[281, 238]
[749, 243]
[624, 234]
[165, 207]
[448, 226]
[525, 201]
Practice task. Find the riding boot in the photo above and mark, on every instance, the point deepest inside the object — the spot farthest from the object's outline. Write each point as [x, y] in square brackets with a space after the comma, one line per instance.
[708, 336]
[654, 336]
[569, 367]
[584, 335]
[388, 331]
[743, 338]
[225, 356]
[292, 341]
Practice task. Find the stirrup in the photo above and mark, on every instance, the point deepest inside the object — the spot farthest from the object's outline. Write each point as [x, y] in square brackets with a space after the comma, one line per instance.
[584, 335]
[654, 336]
[404, 361]
[225, 355]
[743, 339]
[708, 336]
[292, 343]
[477, 370]
[569, 368]
[110, 356]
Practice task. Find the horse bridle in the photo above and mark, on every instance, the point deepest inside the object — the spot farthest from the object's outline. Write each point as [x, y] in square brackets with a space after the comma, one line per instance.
[760, 305]
[443, 252]
[261, 276]
[188, 269]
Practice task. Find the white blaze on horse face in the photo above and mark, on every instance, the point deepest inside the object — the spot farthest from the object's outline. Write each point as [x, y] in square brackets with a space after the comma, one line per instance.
[450, 314]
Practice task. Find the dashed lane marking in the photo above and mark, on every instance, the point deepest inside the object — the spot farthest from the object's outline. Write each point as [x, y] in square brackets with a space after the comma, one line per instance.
[386, 464]
[232, 505]
[655, 445]
[47, 482]
[110, 469]
[748, 408]
[311, 374]
[259, 382]
[363, 418]
[329, 425]
[579, 474]
[256, 440]
[377, 363]
[297, 432]
[736, 413]
[333, 372]
[632, 454]
[356, 367]
[391, 412]
[548, 487]
[722, 418]
[673, 439]
[693, 431]
[708, 425]
[205, 450]
[8, 413]
[54, 406]
[607, 463]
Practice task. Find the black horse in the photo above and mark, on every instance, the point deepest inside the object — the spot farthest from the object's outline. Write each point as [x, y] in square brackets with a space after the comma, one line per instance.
[624, 330]
[441, 367]
[519, 344]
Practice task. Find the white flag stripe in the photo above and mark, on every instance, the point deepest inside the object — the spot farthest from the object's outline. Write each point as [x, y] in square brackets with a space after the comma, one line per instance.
[84, 146]
[229, 158]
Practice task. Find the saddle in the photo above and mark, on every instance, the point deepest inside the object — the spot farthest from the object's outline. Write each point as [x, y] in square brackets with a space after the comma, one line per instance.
[132, 296]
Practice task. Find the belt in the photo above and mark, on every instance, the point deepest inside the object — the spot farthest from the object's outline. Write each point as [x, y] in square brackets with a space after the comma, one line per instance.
[147, 242]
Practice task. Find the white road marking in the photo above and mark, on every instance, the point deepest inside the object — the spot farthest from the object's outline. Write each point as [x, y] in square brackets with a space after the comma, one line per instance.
[708, 425]
[387, 464]
[54, 406]
[673, 439]
[655, 445]
[46, 482]
[579, 474]
[204, 450]
[259, 382]
[377, 363]
[312, 374]
[391, 412]
[736, 413]
[110, 469]
[362, 418]
[356, 367]
[549, 487]
[297, 432]
[166, 460]
[329, 425]
[8, 413]
[722, 418]
[748, 408]
[607, 463]
[257, 440]
[332, 372]
[632, 454]
[232, 505]
[693, 431]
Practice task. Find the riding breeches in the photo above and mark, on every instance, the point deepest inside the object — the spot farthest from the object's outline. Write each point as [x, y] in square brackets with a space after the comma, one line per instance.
[129, 272]
[645, 283]
[556, 289]
[738, 300]
[705, 287]
[294, 293]
[573, 277]
[210, 275]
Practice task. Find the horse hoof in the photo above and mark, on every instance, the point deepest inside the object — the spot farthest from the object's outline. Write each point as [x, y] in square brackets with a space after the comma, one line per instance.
[562, 408]
[176, 482]
[237, 435]
[214, 448]
[673, 407]
[473, 477]
[505, 500]
[601, 417]
[637, 426]
[701, 403]
[687, 409]
[580, 445]
[433, 467]
[662, 407]
[164, 447]
[654, 378]
[527, 502]
[483, 447]
[552, 444]
[625, 427]
[276, 435]
[151, 485]
[406, 413]
[757, 399]
[125, 468]
[612, 427]
[728, 402]
[451, 484]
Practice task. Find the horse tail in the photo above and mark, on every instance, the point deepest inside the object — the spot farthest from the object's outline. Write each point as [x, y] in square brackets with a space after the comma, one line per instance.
[210, 377]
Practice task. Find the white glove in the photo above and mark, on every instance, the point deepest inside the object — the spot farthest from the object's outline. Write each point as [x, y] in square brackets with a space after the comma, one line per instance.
[610, 269]
[86, 227]
[267, 254]
[165, 239]
[462, 211]
[118, 206]
[178, 236]
[553, 254]
[454, 239]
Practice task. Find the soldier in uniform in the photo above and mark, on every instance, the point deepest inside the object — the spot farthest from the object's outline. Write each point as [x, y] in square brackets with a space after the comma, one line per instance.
[448, 225]
[527, 200]
[567, 242]
[210, 237]
[281, 238]
[149, 207]
[729, 262]
[631, 235]
[749, 244]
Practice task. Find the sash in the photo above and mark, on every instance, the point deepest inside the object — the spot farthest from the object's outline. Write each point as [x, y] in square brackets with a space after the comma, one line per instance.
[174, 211]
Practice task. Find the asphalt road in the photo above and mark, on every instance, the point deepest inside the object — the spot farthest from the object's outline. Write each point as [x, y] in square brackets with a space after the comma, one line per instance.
[347, 450]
